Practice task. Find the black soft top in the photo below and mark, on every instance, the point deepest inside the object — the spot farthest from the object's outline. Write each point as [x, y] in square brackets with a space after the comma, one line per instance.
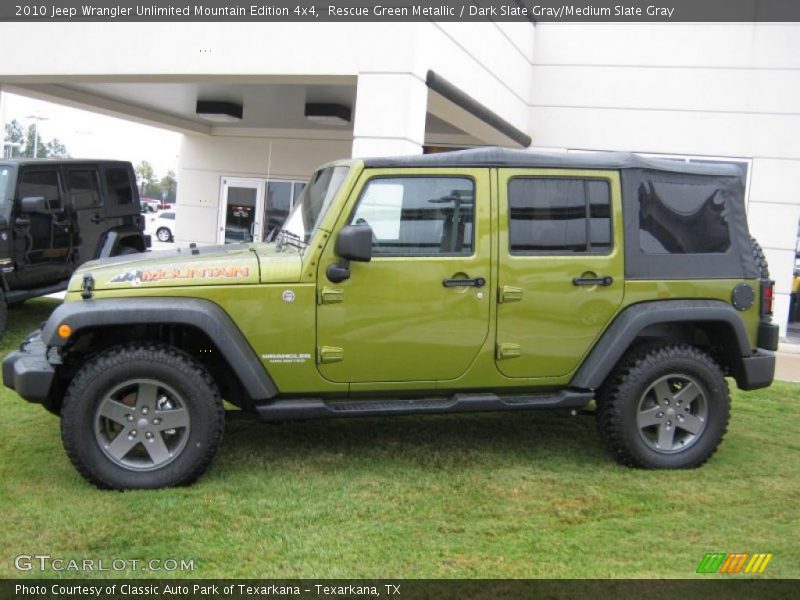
[697, 209]
[505, 157]
[18, 162]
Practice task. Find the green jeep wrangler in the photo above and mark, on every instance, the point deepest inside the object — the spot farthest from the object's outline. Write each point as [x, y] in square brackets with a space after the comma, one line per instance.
[481, 280]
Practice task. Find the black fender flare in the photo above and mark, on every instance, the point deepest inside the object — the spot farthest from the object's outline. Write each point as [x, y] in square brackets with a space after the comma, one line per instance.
[618, 336]
[202, 314]
[113, 239]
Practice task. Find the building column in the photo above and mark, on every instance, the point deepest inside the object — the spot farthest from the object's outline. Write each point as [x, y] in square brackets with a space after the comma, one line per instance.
[389, 115]
[2, 123]
[773, 214]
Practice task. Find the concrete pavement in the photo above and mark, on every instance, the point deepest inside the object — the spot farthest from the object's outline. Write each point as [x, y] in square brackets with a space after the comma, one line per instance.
[788, 363]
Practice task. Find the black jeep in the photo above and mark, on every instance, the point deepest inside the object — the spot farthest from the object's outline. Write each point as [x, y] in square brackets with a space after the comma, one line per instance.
[56, 215]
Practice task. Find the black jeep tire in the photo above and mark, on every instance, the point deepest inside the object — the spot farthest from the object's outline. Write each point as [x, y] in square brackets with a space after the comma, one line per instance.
[761, 260]
[3, 313]
[142, 415]
[664, 407]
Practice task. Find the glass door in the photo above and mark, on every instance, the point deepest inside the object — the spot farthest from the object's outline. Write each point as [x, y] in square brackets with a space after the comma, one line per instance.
[280, 199]
[241, 210]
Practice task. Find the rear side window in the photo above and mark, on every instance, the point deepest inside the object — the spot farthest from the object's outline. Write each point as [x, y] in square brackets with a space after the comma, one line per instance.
[683, 218]
[84, 187]
[42, 183]
[559, 215]
[167, 215]
[418, 216]
[118, 183]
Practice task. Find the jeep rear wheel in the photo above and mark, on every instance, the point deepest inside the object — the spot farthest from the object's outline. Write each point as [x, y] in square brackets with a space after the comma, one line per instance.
[664, 407]
[142, 416]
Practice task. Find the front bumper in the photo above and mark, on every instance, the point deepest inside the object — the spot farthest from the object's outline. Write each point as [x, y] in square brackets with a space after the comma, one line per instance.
[28, 372]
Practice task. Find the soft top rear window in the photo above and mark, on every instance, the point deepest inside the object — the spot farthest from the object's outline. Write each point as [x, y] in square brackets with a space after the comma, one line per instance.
[685, 226]
[683, 218]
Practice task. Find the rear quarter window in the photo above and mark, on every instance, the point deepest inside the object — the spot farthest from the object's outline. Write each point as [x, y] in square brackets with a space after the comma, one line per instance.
[683, 218]
[119, 186]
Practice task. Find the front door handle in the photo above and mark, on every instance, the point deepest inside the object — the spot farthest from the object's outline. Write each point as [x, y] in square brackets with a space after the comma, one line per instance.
[605, 280]
[96, 219]
[477, 282]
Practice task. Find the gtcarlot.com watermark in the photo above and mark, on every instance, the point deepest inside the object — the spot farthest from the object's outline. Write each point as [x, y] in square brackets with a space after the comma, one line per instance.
[47, 562]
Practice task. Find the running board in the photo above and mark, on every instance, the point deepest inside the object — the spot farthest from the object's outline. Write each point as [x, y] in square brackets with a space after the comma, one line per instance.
[314, 408]
[20, 295]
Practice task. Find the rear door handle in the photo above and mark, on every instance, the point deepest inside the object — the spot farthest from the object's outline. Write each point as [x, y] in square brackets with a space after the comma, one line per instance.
[477, 282]
[606, 280]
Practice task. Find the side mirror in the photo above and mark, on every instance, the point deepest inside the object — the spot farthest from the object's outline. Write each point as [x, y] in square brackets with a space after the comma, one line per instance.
[34, 204]
[354, 242]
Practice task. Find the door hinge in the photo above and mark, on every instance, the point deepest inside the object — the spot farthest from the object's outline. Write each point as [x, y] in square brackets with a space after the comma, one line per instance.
[329, 354]
[329, 295]
[509, 293]
[507, 350]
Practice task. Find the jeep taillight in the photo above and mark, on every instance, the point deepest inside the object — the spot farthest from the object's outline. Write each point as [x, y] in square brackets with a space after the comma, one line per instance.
[767, 297]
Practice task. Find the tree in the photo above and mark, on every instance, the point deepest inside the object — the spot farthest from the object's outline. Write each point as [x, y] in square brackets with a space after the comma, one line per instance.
[32, 144]
[145, 176]
[15, 135]
[169, 184]
[55, 149]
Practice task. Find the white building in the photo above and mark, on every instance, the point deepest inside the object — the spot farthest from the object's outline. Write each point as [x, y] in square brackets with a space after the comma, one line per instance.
[706, 91]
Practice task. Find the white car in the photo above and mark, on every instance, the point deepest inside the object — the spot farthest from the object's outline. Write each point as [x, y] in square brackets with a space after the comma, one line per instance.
[162, 225]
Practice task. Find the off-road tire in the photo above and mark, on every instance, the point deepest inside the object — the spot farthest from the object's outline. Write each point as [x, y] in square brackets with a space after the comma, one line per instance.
[157, 362]
[620, 398]
[3, 313]
[163, 234]
[761, 260]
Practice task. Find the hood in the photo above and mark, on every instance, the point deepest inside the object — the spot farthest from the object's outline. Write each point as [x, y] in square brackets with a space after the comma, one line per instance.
[233, 264]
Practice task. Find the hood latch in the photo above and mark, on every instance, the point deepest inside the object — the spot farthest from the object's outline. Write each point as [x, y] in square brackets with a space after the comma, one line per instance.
[87, 286]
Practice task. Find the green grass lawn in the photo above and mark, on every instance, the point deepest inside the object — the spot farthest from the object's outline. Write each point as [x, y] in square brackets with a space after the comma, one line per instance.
[500, 495]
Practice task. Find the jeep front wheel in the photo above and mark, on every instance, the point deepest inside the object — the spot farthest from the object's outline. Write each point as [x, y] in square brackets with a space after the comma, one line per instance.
[142, 416]
[664, 407]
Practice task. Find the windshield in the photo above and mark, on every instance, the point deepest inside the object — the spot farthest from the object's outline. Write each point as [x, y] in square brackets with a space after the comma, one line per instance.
[5, 188]
[309, 210]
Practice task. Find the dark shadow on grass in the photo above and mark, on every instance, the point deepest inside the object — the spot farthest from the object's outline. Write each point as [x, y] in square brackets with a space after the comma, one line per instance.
[440, 441]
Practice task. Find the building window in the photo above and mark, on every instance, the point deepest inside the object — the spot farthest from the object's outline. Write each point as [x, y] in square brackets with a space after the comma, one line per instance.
[280, 199]
[418, 216]
[559, 216]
